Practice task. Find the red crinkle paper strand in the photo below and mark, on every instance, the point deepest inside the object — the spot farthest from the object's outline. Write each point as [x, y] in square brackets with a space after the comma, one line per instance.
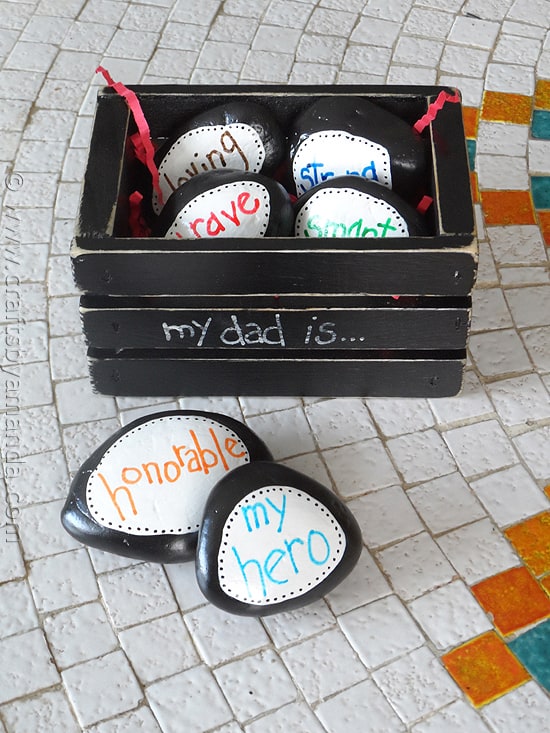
[433, 109]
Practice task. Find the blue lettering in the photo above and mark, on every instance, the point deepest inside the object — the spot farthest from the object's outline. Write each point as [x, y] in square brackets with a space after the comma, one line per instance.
[243, 565]
[370, 169]
[269, 569]
[310, 547]
[281, 512]
[254, 509]
[288, 546]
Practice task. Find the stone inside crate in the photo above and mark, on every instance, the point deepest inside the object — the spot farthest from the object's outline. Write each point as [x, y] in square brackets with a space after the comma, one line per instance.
[285, 108]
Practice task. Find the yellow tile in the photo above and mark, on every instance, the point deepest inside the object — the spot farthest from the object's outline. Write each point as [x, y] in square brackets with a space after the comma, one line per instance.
[485, 668]
[503, 107]
[513, 598]
[502, 208]
[542, 94]
[532, 542]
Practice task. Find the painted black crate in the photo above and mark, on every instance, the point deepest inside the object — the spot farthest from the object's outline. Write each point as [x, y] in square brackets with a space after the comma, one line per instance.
[285, 316]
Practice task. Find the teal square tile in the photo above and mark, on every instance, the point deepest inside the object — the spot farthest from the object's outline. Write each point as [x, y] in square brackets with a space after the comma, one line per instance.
[540, 124]
[540, 190]
[471, 146]
[533, 651]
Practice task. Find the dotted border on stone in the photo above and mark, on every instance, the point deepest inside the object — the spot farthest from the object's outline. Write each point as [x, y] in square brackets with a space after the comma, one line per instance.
[137, 429]
[309, 586]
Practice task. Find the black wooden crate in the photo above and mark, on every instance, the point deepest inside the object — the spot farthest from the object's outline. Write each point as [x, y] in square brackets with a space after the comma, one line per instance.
[309, 317]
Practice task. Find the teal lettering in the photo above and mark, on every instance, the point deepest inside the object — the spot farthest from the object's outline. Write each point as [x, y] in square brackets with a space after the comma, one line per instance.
[254, 508]
[281, 512]
[270, 568]
[243, 566]
[314, 560]
[289, 546]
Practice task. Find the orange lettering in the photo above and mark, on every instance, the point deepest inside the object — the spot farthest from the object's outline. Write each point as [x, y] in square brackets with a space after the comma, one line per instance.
[126, 478]
[203, 452]
[145, 467]
[113, 494]
[230, 443]
[167, 472]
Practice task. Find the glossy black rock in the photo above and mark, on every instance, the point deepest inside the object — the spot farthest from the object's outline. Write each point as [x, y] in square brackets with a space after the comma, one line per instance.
[142, 492]
[351, 135]
[272, 540]
[229, 203]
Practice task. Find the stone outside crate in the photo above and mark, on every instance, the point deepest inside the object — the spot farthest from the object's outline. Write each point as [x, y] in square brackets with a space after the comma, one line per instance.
[326, 319]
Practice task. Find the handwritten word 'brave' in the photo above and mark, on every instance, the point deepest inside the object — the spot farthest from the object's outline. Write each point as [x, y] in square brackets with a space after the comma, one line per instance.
[216, 223]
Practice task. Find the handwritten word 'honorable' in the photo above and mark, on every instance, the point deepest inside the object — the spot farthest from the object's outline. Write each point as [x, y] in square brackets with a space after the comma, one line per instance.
[195, 458]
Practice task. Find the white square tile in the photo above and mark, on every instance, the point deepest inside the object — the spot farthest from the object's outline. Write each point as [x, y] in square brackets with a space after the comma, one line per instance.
[385, 516]
[364, 584]
[510, 78]
[525, 275]
[539, 154]
[159, 648]
[200, 703]
[494, 138]
[261, 405]
[375, 31]
[296, 716]
[501, 172]
[428, 23]
[533, 447]
[416, 685]
[464, 61]
[103, 562]
[398, 416]
[471, 88]
[137, 594]
[41, 533]
[289, 627]
[499, 352]
[360, 467]
[220, 636]
[514, 49]
[79, 634]
[530, 307]
[77, 403]
[520, 400]
[529, 11]
[537, 341]
[11, 560]
[480, 448]
[62, 580]
[526, 708]
[41, 714]
[381, 631]
[478, 551]
[183, 580]
[311, 465]
[446, 503]
[417, 51]
[340, 421]
[286, 433]
[517, 245]
[455, 718]
[102, 688]
[138, 720]
[15, 654]
[421, 456]
[324, 665]
[489, 310]
[346, 712]
[470, 403]
[474, 32]
[510, 495]
[82, 439]
[450, 615]
[416, 566]
[256, 684]
[17, 611]
[39, 430]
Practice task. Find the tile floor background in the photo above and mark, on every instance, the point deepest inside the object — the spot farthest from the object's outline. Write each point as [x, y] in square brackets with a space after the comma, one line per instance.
[443, 626]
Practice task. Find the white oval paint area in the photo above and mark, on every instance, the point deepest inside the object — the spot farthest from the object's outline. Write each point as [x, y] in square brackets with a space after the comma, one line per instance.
[235, 146]
[239, 209]
[332, 153]
[277, 543]
[347, 212]
[155, 479]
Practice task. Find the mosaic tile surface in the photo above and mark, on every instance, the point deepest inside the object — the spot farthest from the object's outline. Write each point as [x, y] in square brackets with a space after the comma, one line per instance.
[444, 625]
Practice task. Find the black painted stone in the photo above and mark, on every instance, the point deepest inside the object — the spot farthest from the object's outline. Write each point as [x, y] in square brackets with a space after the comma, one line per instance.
[272, 540]
[238, 135]
[353, 207]
[142, 492]
[228, 203]
[339, 136]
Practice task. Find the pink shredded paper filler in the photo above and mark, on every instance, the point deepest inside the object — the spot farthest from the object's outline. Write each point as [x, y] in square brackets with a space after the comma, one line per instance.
[434, 108]
[146, 147]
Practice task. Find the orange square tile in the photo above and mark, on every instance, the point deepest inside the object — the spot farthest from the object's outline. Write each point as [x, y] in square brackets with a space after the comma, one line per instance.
[503, 107]
[502, 208]
[470, 116]
[474, 187]
[542, 94]
[485, 668]
[547, 490]
[513, 598]
[544, 224]
[545, 583]
[532, 542]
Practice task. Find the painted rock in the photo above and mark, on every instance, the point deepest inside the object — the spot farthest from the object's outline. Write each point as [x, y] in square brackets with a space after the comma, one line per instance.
[352, 136]
[227, 204]
[238, 135]
[142, 493]
[353, 207]
[273, 539]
